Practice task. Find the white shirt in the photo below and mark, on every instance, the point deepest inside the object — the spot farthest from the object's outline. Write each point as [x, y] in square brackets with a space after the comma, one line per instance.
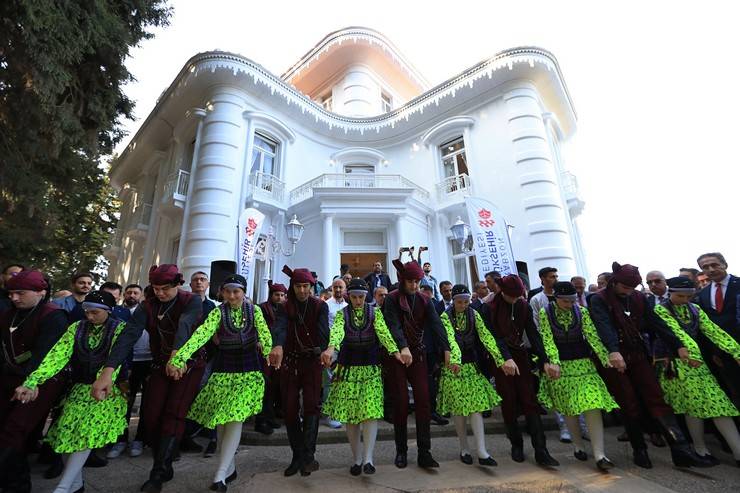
[660, 298]
[334, 307]
[713, 290]
[538, 301]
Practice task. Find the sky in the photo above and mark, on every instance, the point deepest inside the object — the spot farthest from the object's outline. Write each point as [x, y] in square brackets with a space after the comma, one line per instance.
[655, 86]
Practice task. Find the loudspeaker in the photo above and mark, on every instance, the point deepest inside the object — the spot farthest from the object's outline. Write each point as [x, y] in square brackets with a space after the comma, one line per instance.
[220, 270]
[523, 271]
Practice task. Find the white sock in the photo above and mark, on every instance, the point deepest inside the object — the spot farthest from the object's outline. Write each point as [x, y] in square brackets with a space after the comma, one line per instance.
[369, 434]
[595, 426]
[462, 434]
[353, 435]
[728, 429]
[229, 441]
[479, 432]
[572, 423]
[696, 430]
[73, 465]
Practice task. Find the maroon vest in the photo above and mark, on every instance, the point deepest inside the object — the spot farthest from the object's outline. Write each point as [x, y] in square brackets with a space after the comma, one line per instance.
[412, 320]
[509, 321]
[162, 332]
[302, 338]
[17, 346]
[629, 326]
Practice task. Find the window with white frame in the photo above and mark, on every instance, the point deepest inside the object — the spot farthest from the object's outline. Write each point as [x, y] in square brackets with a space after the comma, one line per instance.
[361, 175]
[386, 102]
[455, 165]
[265, 166]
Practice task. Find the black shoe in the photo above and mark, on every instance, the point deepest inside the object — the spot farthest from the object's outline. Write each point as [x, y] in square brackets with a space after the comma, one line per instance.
[425, 460]
[368, 468]
[355, 470]
[439, 420]
[543, 458]
[310, 433]
[684, 456]
[94, 461]
[263, 427]
[401, 460]
[514, 434]
[295, 438]
[293, 468]
[711, 459]
[488, 461]
[604, 464]
[539, 442]
[641, 458]
[220, 486]
[517, 453]
[466, 459]
[81, 489]
[55, 469]
[580, 455]
[231, 477]
[210, 449]
[190, 446]
[152, 486]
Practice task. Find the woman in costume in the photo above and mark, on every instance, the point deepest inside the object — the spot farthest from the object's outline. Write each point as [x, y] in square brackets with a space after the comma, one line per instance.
[571, 384]
[688, 385]
[85, 423]
[236, 387]
[463, 391]
[356, 394]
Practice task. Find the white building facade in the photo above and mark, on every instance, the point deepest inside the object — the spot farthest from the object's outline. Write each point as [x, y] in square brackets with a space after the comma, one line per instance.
[354, 142]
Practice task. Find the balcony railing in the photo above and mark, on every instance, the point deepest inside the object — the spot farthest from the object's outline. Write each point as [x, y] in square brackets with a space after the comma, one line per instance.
[176, 188]
[569, 183]
[459, 184]
[357, 181]
[267, 184]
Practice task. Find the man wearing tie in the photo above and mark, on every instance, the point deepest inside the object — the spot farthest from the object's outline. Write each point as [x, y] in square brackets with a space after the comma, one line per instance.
[719, 300]
[579, 283]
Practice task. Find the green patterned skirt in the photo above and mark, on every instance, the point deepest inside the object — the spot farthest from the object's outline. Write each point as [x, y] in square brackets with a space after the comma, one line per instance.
[356, 394]
[86, 423]
[695, 392]
[579, 389]
[228, 397]
[466, 393]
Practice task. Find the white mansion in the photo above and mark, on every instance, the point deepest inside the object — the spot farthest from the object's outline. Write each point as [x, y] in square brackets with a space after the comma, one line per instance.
[353, 141]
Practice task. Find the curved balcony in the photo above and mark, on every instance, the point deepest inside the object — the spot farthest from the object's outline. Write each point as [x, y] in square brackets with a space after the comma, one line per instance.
[357, 184]
[454, 189]
[267, 188]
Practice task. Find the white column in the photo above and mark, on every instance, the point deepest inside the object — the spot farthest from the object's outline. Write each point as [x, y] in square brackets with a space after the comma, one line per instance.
[210, 221]
[546, 218]
[360, 93]
[330, 264]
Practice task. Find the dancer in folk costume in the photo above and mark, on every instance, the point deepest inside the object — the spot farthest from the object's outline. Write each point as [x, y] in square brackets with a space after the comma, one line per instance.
[236, 386]
[356, 394]
[688, 384]
[571, 384]
[463, 390]
[85, 423]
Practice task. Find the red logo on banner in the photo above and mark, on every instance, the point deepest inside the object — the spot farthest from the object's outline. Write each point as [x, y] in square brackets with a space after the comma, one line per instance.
[484, 214]
[486, 223]
[251, 226]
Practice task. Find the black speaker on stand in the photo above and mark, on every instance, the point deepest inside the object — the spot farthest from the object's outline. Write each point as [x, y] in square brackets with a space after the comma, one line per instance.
[220, 270]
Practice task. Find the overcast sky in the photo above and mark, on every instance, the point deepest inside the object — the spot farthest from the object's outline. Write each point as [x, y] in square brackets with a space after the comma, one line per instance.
[655, 86]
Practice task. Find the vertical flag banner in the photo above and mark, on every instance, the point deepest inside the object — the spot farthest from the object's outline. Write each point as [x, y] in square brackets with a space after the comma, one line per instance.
[490, 238]
[250, 224]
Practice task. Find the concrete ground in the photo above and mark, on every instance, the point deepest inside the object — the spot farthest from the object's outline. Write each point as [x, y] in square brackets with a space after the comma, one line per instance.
[260, 462]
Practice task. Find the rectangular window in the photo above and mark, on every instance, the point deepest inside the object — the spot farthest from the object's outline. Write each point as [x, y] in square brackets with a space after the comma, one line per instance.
[455, 165]
[386, 102]
[264, 165]
[326, 102]
[360, 175]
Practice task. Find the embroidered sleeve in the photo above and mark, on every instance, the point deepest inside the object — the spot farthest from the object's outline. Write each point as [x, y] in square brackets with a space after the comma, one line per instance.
[263, 331]
[717, 335]
[592, 337]
[547, 340]
[200, 337]
[336, 334]
[56, 359]
[384, 335]
[455, 353]
[686, 340]
[487, 339]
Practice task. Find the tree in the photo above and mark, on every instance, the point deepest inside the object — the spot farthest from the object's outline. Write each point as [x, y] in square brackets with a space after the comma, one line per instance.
[62, 72]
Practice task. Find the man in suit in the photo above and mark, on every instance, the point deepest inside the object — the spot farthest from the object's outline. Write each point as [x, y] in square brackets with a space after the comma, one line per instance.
[376, 279]
[719, 300]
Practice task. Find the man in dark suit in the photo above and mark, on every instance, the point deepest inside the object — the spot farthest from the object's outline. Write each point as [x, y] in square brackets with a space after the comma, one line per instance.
[719, 300]
[376, 279]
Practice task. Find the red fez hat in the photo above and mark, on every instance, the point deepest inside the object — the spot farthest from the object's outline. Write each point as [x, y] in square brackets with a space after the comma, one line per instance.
[626, 274]
[410, 271]
[299, 276]
[276, 287]
[165, 274]
[31, 280]
[511, 285]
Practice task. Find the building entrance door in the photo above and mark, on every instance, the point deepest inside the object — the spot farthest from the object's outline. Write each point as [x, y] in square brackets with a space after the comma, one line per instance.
[361, 263]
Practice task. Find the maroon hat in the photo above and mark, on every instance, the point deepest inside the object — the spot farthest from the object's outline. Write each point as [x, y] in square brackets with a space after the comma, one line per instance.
[165, 274]
[276, 287]
[410, 271]
[626, 274]
[299, 276]
[31, 280]
[511, 285]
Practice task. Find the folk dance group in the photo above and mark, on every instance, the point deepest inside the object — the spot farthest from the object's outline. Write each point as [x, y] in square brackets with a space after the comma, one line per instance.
[588, 365]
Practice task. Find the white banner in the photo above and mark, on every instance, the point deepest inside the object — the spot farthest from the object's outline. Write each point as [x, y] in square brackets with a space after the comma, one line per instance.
[490, 238]
[250, 224]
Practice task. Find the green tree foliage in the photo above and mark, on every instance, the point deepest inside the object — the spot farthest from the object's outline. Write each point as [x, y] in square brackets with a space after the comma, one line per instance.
[62, 72]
